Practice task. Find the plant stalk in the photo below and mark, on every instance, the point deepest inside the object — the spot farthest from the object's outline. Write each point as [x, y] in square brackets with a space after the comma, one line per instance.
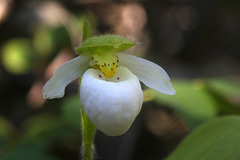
[88, 133]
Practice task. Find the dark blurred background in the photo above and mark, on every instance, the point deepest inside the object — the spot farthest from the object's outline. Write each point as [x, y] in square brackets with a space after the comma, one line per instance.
[196, 42]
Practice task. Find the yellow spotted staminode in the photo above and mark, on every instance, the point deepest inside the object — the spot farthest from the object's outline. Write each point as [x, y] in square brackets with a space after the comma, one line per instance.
[110, 90]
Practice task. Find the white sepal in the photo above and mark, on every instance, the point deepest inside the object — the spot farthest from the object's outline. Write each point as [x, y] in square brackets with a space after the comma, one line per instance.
[64, 75]
[148, 72]
[111, 104]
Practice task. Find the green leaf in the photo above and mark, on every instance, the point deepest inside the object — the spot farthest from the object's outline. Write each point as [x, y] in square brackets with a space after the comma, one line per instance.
[86, 31]
[227, 89]
[192, 101]
[217, 139]
[104, 44]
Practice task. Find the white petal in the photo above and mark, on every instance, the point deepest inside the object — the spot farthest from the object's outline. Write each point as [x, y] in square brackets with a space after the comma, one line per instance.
[112, 104]
[65, 74]
[148, 72]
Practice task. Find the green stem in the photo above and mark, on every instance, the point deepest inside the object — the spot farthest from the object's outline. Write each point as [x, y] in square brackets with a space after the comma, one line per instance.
[88, 129]
[88, 133]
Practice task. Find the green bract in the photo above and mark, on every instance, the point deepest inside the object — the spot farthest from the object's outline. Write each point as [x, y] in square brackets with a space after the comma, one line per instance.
[104, 44]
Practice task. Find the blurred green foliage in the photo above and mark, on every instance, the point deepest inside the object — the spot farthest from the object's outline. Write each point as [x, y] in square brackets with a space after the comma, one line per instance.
[200, 100]
[71, 111]
[6, 130]
[200, 103]
[48, 39]
[38, 135]
[217, 139]
[192, 101]
[226, 89]
[20, 55]
[28, 151]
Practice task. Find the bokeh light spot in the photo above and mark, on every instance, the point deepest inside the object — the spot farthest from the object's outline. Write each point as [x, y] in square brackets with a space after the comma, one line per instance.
[17, 56]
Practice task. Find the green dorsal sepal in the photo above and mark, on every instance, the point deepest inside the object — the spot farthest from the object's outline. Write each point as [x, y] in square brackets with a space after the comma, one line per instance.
[104, 44]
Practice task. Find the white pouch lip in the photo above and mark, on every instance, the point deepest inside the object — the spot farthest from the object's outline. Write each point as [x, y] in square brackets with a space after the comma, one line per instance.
[111, 104]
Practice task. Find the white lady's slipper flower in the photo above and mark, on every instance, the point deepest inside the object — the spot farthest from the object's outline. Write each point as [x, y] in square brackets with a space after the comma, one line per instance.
[110, 91]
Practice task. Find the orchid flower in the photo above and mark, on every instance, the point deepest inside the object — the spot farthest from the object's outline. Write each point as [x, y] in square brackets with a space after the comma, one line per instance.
[110, 90]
